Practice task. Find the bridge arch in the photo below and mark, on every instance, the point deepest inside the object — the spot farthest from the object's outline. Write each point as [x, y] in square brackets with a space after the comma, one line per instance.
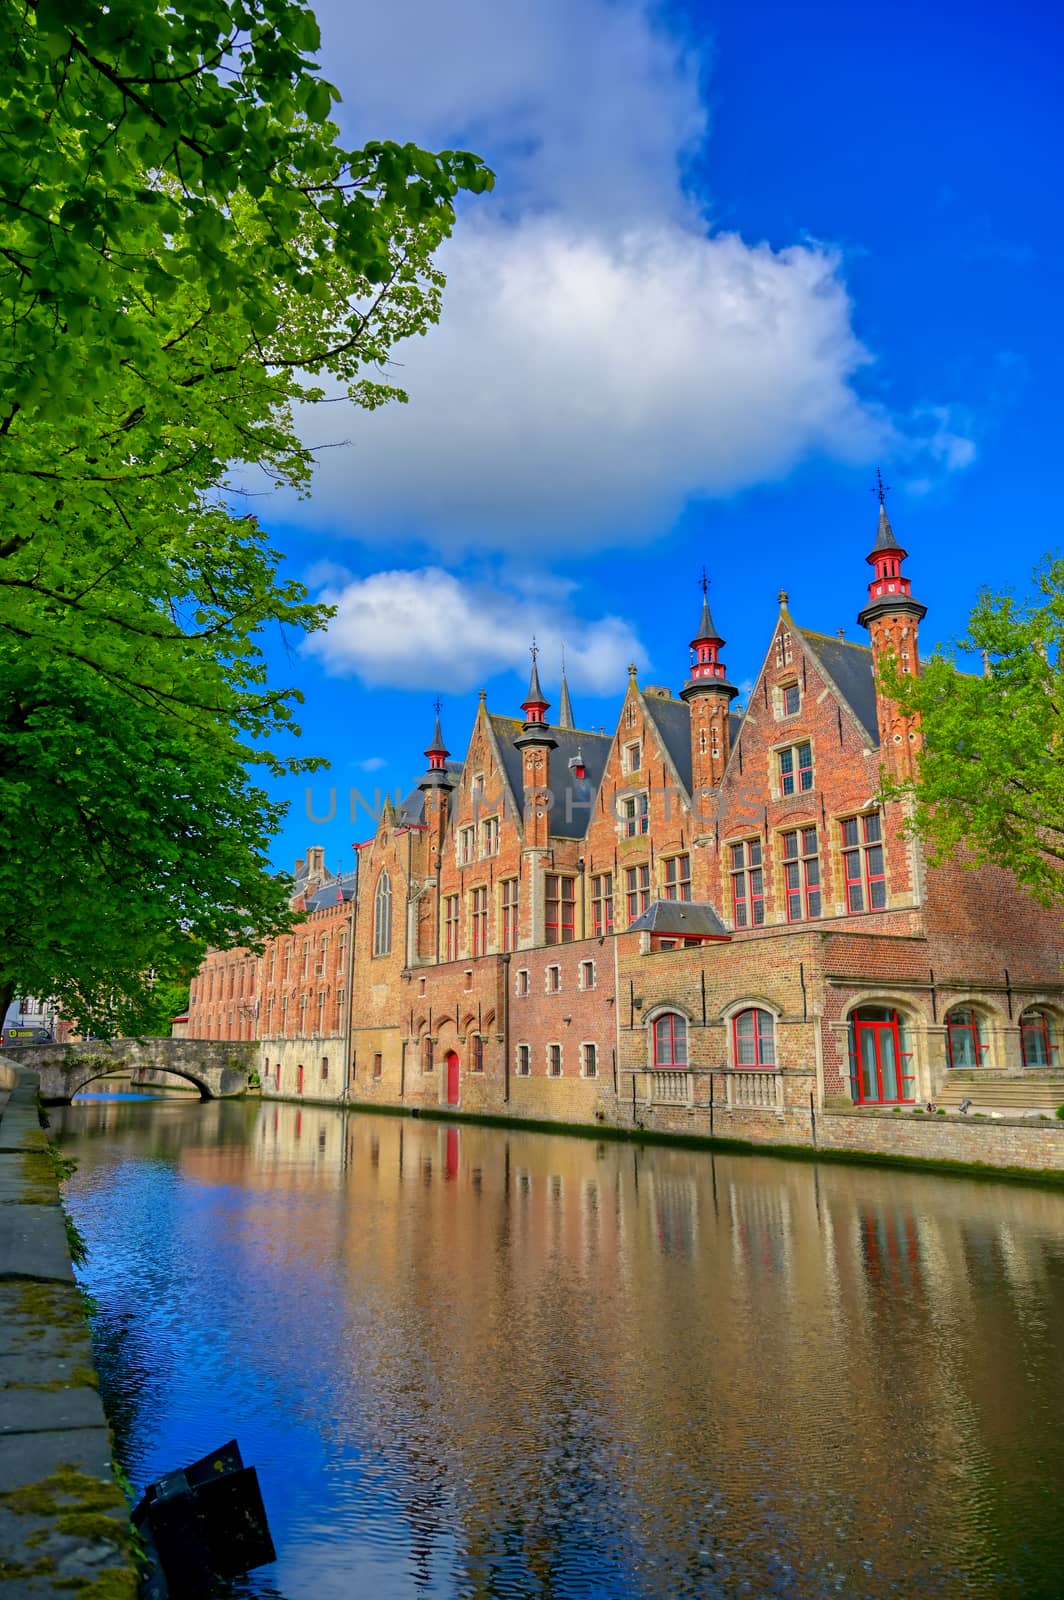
[97, 1074]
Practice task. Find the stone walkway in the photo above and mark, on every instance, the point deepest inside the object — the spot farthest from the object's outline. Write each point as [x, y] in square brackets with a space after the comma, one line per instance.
[63, 1519]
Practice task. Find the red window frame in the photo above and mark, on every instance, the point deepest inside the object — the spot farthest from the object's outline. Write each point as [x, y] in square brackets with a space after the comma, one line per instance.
[602, 903]
[790, 692]
[478, 920]
[678, 878]
[890, 1024]
[637, 890]
[801, 874]
[754, 1035]
[1042, 1029]
[451, 922]
[748, 884]
[560, 899]
[670, 1041]
[864, 864]
[509, 913]
[378, 1066]
[972, 1028]
[796, 768]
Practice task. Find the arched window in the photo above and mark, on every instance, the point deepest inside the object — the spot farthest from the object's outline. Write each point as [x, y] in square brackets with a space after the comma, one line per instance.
[670, 1040]
[964, 1037]
[1037, 1043]
[880, 1058]
[755, 1038]
[382, 916]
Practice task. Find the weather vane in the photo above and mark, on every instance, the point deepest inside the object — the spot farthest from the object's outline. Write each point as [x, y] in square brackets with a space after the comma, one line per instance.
[534, 650]
[437, 705]
[879, 487]
[704, 584]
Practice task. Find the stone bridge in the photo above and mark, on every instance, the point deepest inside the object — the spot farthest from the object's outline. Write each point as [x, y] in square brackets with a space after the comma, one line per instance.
[218, 1068]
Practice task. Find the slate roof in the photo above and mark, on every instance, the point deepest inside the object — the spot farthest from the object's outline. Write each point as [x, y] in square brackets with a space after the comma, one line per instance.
[849, 666]
[327, 894]
[412, 809]
[672, 718]
[573, 798]
[690, 918]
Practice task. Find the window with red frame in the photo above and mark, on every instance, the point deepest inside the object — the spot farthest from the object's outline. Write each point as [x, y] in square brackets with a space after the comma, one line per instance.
[1037, 1044]
[561, 908]
[635, 818]
[509, 914]
[602, 903]
[678, 878]
[670, 1040]
[748, 884]
[801, 873]
[378, 1067]
[755, 1038]
[964, 1037]
[479, 920]
[637, 890]
[796, 768]
[862, 860]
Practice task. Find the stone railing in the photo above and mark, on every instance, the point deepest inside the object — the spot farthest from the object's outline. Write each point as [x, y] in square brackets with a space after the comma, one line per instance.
[755, 1089]
[731, 1088]
[671, 1087]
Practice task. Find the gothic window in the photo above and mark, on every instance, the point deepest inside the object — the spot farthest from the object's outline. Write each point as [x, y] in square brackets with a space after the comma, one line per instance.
[754, 1033]
[382, 917]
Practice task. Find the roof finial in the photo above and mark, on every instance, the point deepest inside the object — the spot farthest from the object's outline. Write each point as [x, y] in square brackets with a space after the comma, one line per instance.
[437, 751]
[880, 488]
[704, 584]
[783, 597]
[533, 650]
[565, 704]
[437, 705]
[535, 702]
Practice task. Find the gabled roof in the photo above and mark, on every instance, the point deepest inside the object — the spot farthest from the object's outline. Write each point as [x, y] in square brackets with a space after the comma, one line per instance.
[688, 919]
[848, 667]
[573, 797]
[331, 892]
[672, 719]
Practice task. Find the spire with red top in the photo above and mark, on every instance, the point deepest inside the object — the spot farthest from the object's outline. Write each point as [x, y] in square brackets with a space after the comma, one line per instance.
[437, 751]
[707, 669]
[535, 702]
[889, 589]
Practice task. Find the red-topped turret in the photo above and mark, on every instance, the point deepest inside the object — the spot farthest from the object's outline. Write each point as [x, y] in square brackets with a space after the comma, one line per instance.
[535, 745]
[535, 702]
[709, 694]
[892, 617]
[437, 751]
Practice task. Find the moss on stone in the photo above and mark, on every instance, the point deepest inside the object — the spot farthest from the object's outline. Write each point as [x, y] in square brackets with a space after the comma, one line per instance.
[66, 1491]
[115, 1584]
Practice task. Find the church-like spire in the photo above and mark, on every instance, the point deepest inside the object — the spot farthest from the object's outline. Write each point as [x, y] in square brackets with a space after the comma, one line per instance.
[565, 705]
[437, 753]
[889, 588]
[885, 539]
[535, 702]
[707, 669]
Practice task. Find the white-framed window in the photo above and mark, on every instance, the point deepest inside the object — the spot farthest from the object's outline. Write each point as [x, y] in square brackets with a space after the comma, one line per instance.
[587, 974]
[489, 836]
[554, 1061]
[521, 981]
[633, 756]
[465, 842]
[635, 817]
[589, 1060]
[554, 980]
[524, 1060]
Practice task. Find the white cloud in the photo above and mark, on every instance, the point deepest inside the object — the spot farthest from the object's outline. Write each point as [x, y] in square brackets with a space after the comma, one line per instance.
[418, 629]
[371, 764]
[604, 356]
[584, 388]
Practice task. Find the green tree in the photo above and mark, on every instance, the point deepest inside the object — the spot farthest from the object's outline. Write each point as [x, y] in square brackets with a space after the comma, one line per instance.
[990, 777]
[187, 255]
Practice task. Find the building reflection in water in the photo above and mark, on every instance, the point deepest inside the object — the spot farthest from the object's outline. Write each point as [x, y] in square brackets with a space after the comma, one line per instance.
[523, 1363]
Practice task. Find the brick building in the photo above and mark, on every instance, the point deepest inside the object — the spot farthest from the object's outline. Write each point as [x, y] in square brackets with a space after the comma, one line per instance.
[704, 913]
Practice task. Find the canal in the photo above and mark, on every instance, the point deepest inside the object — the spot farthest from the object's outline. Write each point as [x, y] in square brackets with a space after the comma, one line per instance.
[476, 1362]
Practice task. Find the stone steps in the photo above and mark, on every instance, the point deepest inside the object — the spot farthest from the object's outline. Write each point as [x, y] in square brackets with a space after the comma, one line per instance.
[1002, 1093]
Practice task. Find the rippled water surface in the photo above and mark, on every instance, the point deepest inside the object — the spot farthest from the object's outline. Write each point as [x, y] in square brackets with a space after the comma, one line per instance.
[472, 1362]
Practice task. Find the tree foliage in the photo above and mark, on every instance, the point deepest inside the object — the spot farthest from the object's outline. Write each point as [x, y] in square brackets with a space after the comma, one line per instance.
[187, 254]
[990, 777]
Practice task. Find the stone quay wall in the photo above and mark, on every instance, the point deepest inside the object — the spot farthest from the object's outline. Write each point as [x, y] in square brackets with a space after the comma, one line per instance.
[56, 1476]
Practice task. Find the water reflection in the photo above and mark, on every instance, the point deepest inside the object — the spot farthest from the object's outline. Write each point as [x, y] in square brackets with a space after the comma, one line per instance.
[475, 1362]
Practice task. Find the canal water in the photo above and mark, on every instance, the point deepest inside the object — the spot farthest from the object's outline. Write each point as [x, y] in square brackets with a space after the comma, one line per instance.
[475, 1362]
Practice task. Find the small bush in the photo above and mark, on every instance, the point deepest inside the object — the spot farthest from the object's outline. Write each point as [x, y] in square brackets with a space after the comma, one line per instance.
[1060, 1113]
[941, 1112]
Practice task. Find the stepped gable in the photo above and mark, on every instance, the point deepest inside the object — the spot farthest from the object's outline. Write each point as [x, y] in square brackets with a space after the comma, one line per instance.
[847, 666]
[594, 747]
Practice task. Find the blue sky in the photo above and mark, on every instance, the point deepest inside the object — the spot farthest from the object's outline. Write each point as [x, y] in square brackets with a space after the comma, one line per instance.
[737, 257]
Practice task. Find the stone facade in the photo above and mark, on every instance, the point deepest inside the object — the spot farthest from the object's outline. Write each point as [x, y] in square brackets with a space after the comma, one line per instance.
[702, 918]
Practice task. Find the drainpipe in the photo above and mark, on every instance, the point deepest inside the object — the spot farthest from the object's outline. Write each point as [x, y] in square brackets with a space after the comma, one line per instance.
[349, 1020]
[506, 1027]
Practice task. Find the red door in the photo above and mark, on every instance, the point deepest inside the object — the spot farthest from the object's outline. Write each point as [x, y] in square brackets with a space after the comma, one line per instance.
[299, 1080]
[452, 1077]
